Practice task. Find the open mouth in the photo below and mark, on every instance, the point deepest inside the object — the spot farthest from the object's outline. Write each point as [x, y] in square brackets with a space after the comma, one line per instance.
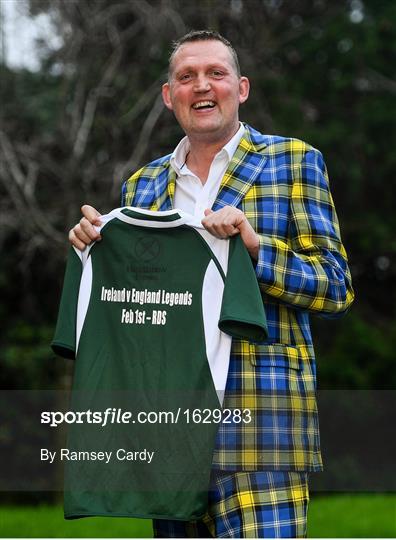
[203, 105]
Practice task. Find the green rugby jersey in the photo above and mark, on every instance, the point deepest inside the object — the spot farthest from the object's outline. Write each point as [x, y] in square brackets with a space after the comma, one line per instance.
[149, 314]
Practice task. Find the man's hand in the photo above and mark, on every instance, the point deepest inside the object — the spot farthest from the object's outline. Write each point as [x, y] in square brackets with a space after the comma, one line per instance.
[230, 221]
[82, 234]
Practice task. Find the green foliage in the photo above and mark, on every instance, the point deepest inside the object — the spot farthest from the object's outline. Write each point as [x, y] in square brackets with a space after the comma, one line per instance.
[356, 354]
[27, 360]
[32, 101]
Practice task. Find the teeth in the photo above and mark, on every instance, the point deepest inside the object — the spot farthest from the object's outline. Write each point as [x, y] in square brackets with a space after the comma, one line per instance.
[201, 104]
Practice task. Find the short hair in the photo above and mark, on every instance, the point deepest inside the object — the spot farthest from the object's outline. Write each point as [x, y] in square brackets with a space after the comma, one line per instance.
[203, 35]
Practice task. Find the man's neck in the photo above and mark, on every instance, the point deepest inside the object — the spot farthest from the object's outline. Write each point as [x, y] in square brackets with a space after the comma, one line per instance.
[202, 153]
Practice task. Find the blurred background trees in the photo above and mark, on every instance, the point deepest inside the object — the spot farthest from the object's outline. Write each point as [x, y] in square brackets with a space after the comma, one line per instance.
[92, 114]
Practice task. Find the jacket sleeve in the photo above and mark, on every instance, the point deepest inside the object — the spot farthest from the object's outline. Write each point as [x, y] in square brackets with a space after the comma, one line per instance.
[309, 270]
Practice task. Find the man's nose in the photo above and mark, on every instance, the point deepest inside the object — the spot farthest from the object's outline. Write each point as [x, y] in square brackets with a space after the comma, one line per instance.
[202, 84]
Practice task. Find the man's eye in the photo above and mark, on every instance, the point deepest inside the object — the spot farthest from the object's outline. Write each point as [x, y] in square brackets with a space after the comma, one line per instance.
[217, 73]
[185, 77]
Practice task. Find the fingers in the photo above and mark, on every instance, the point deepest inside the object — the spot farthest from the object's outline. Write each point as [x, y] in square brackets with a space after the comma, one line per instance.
[84, 233]
[222, 230]
[230, 221]
[223, 223]
[91, 214]
[74, 240]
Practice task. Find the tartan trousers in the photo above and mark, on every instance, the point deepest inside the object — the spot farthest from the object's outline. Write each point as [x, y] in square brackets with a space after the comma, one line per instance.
[259, 504]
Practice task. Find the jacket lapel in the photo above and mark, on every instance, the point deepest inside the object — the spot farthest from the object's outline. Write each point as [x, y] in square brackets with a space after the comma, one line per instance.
[243, 169]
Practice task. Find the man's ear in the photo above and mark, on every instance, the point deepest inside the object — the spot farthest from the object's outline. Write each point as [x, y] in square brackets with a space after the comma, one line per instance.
[166, 96]
[244, 87]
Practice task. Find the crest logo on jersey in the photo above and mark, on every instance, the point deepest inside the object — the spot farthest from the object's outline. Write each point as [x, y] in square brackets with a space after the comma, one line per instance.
[147, 249]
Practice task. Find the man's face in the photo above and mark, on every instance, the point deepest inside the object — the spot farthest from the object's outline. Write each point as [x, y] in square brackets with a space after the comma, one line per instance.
[204, 91]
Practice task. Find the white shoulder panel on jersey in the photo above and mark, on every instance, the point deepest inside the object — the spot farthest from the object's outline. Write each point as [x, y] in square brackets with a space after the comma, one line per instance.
[218, 344]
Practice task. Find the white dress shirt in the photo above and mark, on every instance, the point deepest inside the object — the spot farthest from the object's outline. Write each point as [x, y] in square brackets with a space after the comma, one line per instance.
[190, 194]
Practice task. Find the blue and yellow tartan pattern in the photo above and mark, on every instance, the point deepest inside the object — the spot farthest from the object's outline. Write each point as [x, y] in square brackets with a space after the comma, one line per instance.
[261, 504]
[281, 185]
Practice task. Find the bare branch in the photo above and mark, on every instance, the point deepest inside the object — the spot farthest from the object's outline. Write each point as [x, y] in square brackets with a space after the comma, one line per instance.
[11, 160]
[145, 98]
[92, 101]
[144, 137]
[77, 108]
[174, 16]
[20, 188]
[86, 124]
[14, 194]
[381, 81]
[30, 178]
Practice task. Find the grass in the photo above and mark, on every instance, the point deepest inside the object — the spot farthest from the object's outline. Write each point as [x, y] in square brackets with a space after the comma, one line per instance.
[48, 522]
[334, 516]
[352, 516]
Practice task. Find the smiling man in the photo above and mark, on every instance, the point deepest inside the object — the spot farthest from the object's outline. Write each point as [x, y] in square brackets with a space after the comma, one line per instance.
[204, 91]
[274, 192]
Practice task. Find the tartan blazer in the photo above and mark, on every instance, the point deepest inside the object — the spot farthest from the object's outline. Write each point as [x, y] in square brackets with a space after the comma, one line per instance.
[281, 185]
